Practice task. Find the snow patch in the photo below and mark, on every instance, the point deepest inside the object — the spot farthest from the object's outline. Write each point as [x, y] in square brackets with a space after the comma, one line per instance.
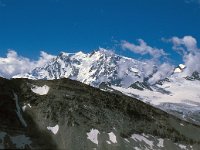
[141, 138]
[177, 70]
[108, 142]
[182, 146]
[40, 90]
[160, 143]
[29, 105]
[93, 135]
[182, 66]
[25, 105]
[127, 140]
[24, 108]
[135, 70]
[112, 137]
[54, 129]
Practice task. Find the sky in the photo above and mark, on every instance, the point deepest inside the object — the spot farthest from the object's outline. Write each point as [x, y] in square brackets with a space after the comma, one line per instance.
[139, 29]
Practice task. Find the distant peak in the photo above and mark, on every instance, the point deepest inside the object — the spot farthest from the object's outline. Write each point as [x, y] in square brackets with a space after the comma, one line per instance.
[103, 50]
[180, 68]
[65, 54]
[80, 53]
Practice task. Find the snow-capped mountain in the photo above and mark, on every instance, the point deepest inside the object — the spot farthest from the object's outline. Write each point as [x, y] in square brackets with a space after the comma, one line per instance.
[93, 68]
[180, 68]
[174, 92]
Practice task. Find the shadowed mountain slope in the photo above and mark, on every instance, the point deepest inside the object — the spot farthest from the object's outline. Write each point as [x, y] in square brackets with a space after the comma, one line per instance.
[66, 114]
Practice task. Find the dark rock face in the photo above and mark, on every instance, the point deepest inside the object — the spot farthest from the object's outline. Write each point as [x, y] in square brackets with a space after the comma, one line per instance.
[160, 82]
[86, 118]
[141, 86]
[195, 76]
[13, 133]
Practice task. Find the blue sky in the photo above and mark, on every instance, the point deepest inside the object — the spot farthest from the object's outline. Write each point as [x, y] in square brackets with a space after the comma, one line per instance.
[29, 26]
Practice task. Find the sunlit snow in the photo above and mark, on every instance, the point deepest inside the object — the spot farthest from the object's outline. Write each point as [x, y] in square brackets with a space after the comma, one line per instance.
[112, 137]
[177, 70]
[54, 129]
[93, 135]
[160, 143]
[40, 90]
[182, 146]
[141, 138]
[25, 106]
[182, 66]
[181, 91]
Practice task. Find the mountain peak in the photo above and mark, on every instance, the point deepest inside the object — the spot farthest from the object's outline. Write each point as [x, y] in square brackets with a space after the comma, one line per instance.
[180, 68]
[99, 66]
[102, 51]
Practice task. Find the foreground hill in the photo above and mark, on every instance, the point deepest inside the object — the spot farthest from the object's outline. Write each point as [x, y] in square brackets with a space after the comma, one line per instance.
[66, 114]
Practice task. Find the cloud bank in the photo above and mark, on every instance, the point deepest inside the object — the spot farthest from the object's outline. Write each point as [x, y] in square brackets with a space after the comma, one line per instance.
[158, 70]
[163, 71]
[14, 64]
[143, 48]
[187, 47]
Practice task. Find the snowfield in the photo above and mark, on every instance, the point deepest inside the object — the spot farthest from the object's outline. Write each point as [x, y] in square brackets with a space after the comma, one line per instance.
[54, 129]
[25, 106]
[181, 91]
[40, 90]
[112, 137]
[141, 138]
[93, 136]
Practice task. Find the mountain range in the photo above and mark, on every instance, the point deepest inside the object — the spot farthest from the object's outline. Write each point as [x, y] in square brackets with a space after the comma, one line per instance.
[161, 86]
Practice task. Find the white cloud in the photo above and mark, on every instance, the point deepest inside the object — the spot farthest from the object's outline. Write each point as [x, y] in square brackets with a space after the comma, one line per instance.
[149, 67]
[192, 62]
[44, 58]
[153, 66]
[190, 52]
[187, 43]
[143, 48]
[164, 70]
[14, 64]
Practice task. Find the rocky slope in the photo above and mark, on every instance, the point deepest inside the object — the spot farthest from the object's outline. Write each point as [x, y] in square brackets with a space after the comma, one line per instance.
[66, 114]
